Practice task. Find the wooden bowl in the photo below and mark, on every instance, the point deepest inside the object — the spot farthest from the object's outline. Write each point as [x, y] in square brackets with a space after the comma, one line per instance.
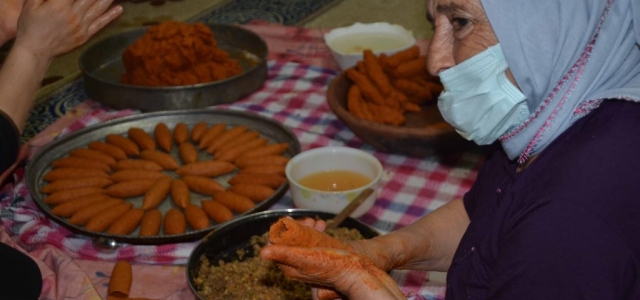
[425, 133]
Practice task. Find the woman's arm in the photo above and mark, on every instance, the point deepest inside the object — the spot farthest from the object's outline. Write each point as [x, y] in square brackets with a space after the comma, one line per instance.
[428, 244]
[20, 79]
[46, 29]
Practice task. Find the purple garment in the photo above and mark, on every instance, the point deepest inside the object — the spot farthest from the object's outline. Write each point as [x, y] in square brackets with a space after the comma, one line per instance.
[567, 227]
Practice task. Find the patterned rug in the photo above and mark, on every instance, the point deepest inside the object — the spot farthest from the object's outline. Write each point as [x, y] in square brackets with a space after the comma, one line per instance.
[286, 12]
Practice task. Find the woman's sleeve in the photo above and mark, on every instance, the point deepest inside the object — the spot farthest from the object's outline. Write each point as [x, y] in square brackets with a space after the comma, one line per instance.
[10, 144]
[562, 252]
[486, 176]
[578, 236]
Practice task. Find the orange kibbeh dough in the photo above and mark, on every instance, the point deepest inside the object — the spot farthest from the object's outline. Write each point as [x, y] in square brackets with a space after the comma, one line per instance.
[175, 53]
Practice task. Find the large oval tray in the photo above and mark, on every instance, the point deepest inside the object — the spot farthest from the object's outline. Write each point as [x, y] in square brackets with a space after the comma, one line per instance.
[41, 162]
[102, 67]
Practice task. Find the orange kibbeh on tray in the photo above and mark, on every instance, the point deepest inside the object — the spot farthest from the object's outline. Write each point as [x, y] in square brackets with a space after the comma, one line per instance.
[101, 200]
[174, 54]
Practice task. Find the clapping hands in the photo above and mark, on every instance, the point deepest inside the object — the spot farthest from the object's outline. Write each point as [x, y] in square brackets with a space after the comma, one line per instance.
[49, 28]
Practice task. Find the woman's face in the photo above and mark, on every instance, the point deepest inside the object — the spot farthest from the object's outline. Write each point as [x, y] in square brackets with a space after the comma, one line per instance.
[461, 30]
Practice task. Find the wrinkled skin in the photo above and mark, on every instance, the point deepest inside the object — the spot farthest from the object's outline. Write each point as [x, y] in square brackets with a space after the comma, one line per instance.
[427, 244]
[353, 275]
[461, 30]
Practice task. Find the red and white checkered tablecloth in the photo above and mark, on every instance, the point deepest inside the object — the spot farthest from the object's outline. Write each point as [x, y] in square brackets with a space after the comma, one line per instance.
[294, 94]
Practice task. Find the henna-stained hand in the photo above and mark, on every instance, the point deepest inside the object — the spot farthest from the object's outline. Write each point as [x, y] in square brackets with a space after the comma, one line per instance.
[353, 275]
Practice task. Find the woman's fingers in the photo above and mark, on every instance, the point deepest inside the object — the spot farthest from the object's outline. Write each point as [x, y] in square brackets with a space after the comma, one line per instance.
[50, 28]
[315, 265]
[97, 14]
[81, 7]
[323, 266]
[32, 3]
[340, 269]
[320, 225]
[307, 222]
[104, 19]
[317, 224]
[9, 14]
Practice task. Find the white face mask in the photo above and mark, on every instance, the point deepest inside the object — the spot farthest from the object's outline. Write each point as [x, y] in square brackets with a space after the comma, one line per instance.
[478, 99]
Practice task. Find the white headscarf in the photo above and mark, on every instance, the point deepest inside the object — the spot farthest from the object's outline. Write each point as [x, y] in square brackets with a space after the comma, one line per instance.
[566, 56]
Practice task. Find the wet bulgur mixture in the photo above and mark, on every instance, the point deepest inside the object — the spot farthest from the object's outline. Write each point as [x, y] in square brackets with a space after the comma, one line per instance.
[254, 278]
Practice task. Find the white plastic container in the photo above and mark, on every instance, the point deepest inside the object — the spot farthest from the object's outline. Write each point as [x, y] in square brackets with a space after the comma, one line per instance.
[347, 43]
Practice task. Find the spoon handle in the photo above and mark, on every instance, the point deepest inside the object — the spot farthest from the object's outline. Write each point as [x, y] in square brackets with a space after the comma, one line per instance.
[347, 210]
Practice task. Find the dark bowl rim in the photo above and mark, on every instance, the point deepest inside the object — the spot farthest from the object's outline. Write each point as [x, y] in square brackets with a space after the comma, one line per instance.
[193, 260]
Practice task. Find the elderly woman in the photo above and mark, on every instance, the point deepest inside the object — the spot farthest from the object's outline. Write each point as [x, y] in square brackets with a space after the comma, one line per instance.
[553, 214]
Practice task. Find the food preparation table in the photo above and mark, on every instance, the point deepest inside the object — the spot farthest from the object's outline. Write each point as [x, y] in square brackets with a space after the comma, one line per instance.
[299, 71]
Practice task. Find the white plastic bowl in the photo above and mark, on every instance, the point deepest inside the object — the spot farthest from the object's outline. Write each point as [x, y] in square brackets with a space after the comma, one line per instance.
[347, 43]
[327, 159]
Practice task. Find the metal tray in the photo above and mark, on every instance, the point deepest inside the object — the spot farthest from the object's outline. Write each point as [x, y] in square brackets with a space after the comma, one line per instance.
[101, 65]
[37, 167]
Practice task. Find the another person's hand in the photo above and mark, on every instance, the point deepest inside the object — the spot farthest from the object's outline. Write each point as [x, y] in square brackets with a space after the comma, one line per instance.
[9, 14]
[49, 28]
[352, 275]
[46, 29]
[319, 225]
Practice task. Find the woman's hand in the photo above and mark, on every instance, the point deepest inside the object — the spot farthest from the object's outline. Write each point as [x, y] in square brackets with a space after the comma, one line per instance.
[46, 29]
[427, 244]
[9, 14]
[363, 247]
[49, 28]
[319, 225]
[366, 248]
[352, 275]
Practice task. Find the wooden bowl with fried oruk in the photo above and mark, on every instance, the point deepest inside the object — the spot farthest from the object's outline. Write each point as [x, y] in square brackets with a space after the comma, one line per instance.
[425, 133]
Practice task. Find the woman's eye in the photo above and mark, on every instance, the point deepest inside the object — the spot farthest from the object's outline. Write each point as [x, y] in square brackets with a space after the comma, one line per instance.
[459, 23]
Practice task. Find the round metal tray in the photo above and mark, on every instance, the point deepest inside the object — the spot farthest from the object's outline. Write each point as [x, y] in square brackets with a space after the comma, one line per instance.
[41, 162]
[102, 67]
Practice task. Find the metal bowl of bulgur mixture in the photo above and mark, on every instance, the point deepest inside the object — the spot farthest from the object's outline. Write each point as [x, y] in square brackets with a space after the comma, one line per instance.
[223, 265]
